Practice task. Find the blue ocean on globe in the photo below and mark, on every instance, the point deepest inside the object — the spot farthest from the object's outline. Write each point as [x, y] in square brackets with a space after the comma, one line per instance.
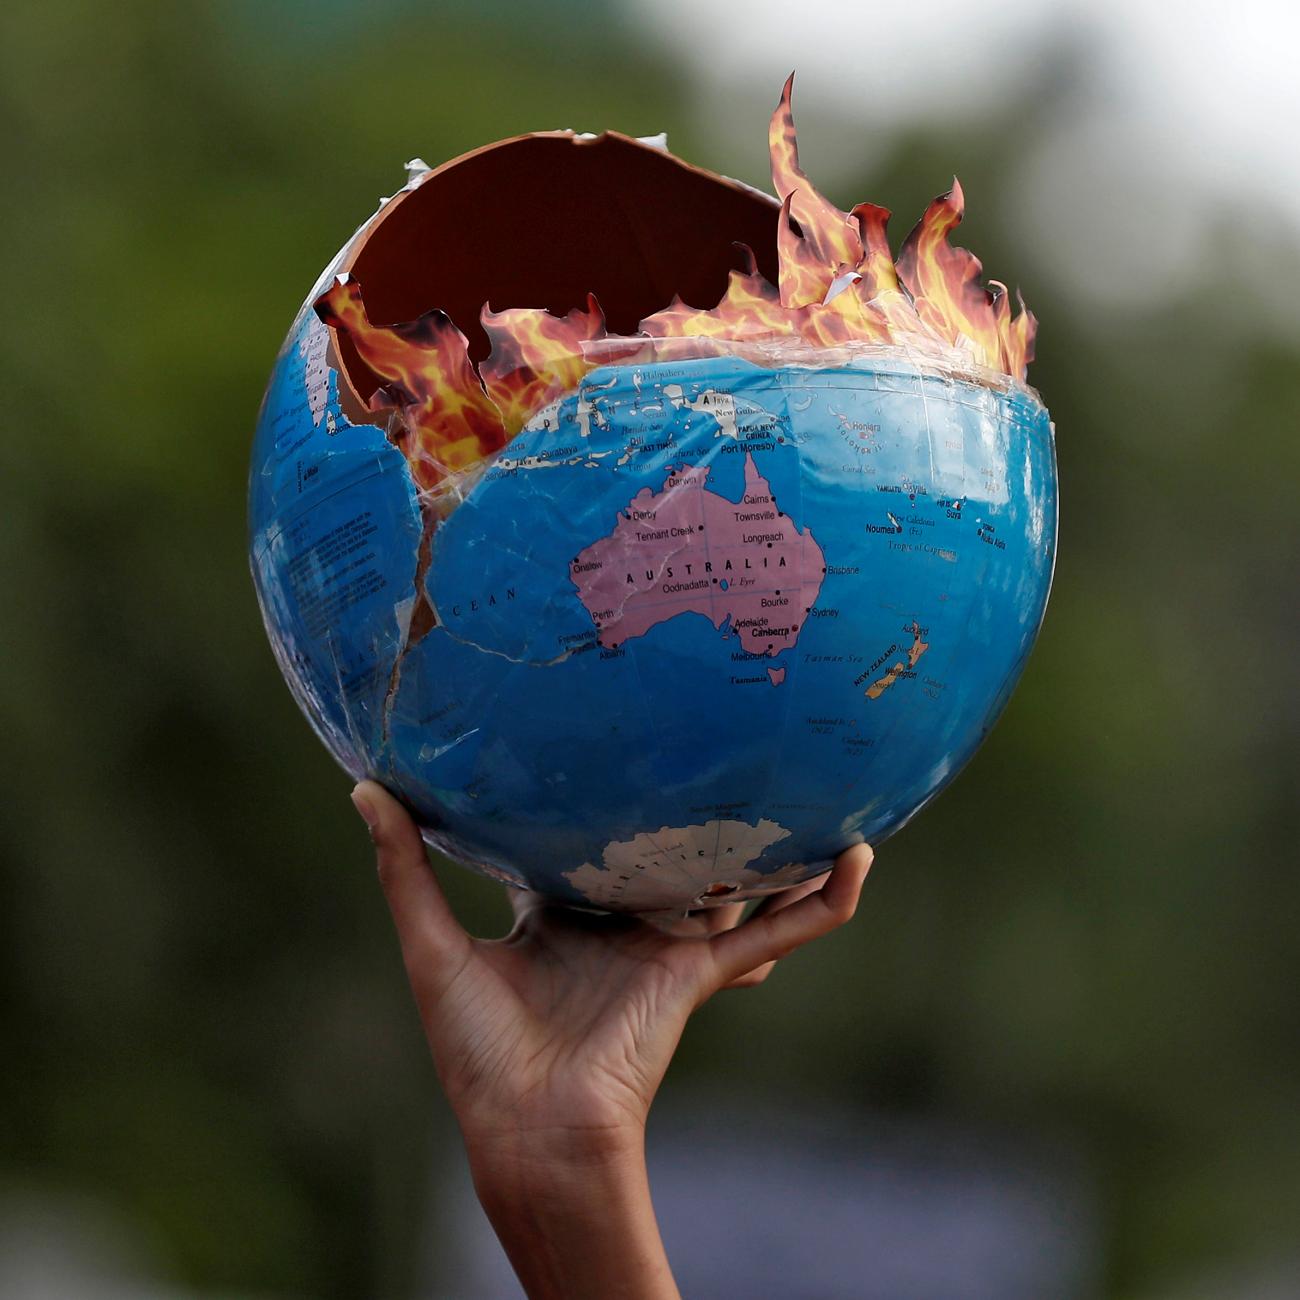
[701, 626]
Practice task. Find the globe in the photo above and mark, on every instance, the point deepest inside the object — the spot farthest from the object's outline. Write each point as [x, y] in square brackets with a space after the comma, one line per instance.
[691, 619]
[701, 626]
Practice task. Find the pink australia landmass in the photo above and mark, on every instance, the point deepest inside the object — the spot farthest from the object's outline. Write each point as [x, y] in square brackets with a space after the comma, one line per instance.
[685, 549]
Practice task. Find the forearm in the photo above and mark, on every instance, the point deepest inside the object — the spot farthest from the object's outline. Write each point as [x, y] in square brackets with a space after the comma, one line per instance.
[574, 1215]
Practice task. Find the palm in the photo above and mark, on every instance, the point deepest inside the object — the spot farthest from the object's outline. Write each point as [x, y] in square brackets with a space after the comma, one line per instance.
[570, 1017]
[569, 1022]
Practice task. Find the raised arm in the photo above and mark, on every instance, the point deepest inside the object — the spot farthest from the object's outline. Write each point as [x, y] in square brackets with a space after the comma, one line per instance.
[552, 1041]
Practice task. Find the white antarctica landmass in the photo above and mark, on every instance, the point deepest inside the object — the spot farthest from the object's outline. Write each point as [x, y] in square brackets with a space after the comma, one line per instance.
[708, 863]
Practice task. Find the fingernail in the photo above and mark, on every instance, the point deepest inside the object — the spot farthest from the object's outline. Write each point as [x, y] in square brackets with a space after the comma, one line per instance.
[365, 808]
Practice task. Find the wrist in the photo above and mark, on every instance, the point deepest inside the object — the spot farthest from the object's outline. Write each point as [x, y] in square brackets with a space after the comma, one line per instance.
[524, 1176]
[517, 1152]
[572, 1209]
[572, 1174]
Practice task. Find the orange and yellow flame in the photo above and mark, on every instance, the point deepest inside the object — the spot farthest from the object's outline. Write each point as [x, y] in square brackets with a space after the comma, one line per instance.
[944, 283]
[536, 357]
[448, 423]
[750, 308]
[839, 285]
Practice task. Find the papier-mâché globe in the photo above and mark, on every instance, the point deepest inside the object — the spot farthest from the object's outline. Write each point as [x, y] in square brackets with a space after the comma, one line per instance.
[650, 607]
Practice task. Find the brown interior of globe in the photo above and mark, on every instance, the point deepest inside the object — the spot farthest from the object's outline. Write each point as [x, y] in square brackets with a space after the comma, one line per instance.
[545, 219]
[489, 288]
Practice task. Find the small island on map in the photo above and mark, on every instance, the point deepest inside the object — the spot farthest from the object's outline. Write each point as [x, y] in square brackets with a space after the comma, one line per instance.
[687, 549]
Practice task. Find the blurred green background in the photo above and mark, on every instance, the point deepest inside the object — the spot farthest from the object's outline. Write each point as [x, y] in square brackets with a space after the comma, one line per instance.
[210, 1062]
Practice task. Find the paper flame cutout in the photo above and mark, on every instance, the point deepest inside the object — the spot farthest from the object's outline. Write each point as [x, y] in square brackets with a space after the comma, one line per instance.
[839, 285]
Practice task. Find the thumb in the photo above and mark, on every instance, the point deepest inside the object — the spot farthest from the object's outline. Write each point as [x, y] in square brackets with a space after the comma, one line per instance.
[434, 946]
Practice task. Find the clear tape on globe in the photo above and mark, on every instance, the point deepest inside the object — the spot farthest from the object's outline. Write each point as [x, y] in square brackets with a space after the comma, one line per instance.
[651, 607]
[937, 359]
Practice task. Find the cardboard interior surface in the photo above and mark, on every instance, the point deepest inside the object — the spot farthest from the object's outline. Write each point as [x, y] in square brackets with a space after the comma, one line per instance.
[541, 221]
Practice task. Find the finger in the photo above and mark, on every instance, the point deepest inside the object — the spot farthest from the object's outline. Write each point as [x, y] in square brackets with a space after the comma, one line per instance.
[724, 917]
[699, 924]
[751, 979]
[784, 898]
[433, 943]
[772, 934]
[767, 905]
[729, 915]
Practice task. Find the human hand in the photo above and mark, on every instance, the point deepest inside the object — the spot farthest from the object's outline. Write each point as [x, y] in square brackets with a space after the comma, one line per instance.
[552, 1041]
